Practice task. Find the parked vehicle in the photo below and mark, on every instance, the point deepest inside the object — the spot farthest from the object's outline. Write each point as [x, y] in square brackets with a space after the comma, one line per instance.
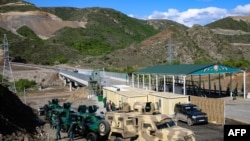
[189, 113]
[92, 127]
[54, 103]
[145, 123]
[89, 124]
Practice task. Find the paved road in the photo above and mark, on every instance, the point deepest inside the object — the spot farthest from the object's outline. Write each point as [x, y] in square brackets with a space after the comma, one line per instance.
[238, 109]
[205, 132]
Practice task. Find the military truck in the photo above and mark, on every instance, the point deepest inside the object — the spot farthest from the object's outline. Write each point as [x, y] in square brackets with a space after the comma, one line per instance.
[46, 109]
[92, 127]
[89, 124]
[145, 123]
[145, 108]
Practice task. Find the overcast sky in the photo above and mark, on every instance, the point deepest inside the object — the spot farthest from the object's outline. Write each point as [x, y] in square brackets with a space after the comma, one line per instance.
[187, 12]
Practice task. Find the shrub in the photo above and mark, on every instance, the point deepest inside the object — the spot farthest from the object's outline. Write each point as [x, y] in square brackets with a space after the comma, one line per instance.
[24, 83]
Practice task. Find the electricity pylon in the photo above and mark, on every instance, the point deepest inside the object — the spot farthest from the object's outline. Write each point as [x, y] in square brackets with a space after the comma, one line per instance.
[170, 51]
[8, 77]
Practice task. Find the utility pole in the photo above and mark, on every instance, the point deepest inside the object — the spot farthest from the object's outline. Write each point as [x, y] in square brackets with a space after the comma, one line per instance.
[170, 52]
[8, 77]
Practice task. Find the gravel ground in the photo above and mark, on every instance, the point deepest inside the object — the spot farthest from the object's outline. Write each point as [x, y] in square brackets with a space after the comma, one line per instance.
[38, 99]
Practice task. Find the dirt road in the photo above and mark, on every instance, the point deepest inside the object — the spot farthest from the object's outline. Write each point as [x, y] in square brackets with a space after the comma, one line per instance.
[38, 99]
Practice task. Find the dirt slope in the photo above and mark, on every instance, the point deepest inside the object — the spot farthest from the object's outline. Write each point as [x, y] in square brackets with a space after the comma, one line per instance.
[42, 23]
[18, 121]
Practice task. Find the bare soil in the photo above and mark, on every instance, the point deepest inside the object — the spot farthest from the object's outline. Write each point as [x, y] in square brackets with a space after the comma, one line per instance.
[36, 99]
[22, 126]
[43, 23]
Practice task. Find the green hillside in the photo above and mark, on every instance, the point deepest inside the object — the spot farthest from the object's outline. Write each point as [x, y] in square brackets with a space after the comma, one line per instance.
[230, 23]
[113, 39]
[106, 31]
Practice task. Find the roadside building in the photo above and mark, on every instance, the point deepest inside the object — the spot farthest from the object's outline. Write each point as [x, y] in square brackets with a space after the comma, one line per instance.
[126, 94]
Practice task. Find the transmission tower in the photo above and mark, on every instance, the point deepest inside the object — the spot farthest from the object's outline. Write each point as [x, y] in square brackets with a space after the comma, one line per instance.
[8, 77]
[170, 52]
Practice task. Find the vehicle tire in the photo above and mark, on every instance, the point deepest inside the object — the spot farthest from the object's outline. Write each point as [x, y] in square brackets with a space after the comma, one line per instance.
[190, 122]
[91, 137]
[81, 129]
[118, 139]
[103, 128]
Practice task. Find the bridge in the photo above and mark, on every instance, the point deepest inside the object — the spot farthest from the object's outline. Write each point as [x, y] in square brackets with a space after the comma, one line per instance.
[84, 77]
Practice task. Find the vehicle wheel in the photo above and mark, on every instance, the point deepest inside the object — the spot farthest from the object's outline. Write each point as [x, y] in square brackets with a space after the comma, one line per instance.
[189, 122]
[118, 139]
[81, 129]
[91, 137]
[104, 128]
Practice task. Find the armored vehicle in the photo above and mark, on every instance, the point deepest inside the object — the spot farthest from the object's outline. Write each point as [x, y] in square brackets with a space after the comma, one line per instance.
[64, 113]
[146, 108]
[145, 123]
[89, 124]
[130, 126]
[189, 113]
[92, 127]
[44, 110]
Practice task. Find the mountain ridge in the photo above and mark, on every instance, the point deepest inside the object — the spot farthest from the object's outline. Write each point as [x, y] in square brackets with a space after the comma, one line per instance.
[103, 37]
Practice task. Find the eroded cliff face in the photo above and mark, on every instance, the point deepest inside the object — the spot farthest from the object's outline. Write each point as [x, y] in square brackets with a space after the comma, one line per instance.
[42, 23]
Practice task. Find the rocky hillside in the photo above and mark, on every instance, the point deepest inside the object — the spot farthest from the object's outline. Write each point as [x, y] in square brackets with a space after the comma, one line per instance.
[43, 24]
[236, 31]
[100, 37]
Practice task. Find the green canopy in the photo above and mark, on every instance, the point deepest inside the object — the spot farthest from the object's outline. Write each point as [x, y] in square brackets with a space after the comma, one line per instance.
[188, 69]
[216, 69]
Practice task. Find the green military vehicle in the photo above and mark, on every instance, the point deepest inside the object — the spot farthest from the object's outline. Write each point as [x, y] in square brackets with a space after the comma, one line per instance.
[51, 110]
[46, 109]
[145, 123]
[93, 128]
[89, 124]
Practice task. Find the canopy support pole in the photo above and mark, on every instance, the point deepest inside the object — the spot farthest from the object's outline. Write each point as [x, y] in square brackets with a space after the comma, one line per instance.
[244, 83]
[143, 86]
[173, 85]
[133, 80]
[184, 85]
[138, 81]
[231, 93]
[156, 83]
[209, 83]
[164, 83]
[149, 83]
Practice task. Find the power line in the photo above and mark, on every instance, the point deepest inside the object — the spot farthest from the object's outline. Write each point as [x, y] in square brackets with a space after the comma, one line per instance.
[8, 77]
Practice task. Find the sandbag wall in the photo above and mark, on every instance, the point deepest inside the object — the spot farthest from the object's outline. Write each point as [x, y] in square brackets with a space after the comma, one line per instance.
[214, 107]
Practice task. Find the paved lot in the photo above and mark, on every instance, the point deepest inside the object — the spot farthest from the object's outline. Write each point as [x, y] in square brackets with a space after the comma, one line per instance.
[238, 109]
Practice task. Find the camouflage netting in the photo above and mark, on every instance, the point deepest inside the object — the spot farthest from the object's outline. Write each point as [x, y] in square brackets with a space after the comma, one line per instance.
[17, 120]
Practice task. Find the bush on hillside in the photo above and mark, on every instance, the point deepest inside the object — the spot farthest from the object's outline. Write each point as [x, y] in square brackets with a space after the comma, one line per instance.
[24, 84]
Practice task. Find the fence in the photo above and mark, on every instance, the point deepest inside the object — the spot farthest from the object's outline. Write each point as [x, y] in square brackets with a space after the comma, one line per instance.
[214, 107]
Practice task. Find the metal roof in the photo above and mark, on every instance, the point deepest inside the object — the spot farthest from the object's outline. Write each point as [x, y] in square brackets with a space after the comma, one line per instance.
[188, 69]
